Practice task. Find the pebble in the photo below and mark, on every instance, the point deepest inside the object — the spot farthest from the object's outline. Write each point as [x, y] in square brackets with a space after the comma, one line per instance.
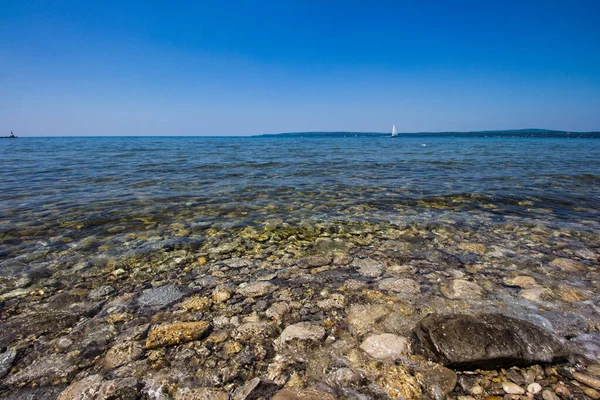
[161, 296]
[312, 262]
[176, 333]
[302, 331]
[278, 310]
[362, 317]
[406, 286]
[460, 289]
[534, 388]
[587, 380]
[6, 360]
[521, 281]
[302, 394]
[369, 268]
[567, 265]
[121, 354]
[512, 388]
[86, 388]
[592, 393]
[549, 395]
[200, 394]
[256, 289]
[101, 292]
[255, 389]
[385, 346]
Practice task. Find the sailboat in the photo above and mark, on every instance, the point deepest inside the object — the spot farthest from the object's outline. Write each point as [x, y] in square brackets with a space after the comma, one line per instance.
[394, 131]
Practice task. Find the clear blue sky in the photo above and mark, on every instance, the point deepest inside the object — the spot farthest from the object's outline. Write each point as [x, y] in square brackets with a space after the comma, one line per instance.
[244, 67]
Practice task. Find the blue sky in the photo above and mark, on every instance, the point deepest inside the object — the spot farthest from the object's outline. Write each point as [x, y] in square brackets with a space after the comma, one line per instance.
[246, 67]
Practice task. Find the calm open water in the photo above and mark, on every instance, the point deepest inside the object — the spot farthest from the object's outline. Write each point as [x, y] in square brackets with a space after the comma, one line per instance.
[52, 188]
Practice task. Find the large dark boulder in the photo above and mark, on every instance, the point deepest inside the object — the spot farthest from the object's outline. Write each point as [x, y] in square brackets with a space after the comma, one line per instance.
[485, 341]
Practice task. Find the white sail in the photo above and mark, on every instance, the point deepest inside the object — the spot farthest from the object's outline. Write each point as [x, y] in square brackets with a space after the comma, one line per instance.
[394, 132]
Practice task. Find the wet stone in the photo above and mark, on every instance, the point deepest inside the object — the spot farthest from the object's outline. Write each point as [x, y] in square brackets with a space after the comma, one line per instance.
[567, 265]
[436, 380]
[256, 289]
[369, 268]
[405, 286]
[6, 360]
[302, 331]
[176, 333]
[122, 353]
[42, 371]
[255, 389]
[385, 346]
[101, 292]
[461, 289]
[303, 394]
[512, 388]
[121, 389]
[521, 281]
[35, 393]
[312, 262]
[362, 317]
[200, 394]
[161, 296]
[485, 341]
[588, 380]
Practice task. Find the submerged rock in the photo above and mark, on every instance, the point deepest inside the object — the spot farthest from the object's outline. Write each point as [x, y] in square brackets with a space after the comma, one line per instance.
[43, 371]
[255, 389]
[302, 331]
[161, 296]
[460, 289]
[385, 346]
[485, 341]
[6, 360]
[369, 268]
[312, 262]
[176, 333]
[303, 394]
[256, 289]
[200, 394]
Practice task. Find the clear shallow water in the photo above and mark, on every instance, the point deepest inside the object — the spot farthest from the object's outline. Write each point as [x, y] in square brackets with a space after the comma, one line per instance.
[79, 187]
[108, 245]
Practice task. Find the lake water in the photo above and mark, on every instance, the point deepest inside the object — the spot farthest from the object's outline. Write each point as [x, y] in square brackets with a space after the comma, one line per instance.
[104, 239]
[86, 186]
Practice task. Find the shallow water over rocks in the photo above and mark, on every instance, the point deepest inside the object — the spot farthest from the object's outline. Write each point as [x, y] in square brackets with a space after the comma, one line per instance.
[298, 289]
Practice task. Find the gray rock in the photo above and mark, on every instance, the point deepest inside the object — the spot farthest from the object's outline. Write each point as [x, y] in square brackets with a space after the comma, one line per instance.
[6, 360]
[460, 289]
[302, 331]
[363, 317]
[43, 371]
[200, 394]
[385, 346]
[312, 262]
[101, 292]
[485, 341]
[368, 267]
[255, 389]
[586, 346]
[122, 353]
[405, 286]
[84, 389]
[37, 393]
[161, 296]
[23, 281]
[436, 380]
[122, 389]
[256, 289]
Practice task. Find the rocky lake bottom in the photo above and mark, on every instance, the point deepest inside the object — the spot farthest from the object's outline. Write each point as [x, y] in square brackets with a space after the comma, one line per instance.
[181, 269]
[444, 308]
